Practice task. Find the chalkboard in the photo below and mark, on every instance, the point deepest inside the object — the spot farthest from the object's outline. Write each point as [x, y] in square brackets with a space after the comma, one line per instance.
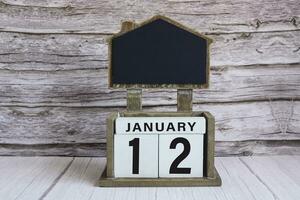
[159, 54]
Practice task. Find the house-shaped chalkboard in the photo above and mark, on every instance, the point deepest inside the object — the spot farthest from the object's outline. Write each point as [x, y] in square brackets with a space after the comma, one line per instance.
[159, 53]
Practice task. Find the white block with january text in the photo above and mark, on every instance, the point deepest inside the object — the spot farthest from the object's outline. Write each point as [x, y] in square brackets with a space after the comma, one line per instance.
[160, 125]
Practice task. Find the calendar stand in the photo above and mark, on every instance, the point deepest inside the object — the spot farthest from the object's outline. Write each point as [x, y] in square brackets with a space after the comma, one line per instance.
[184, 109]
[211, 176]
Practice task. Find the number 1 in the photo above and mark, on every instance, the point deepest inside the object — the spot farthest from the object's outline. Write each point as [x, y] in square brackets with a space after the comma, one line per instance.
[135, 143]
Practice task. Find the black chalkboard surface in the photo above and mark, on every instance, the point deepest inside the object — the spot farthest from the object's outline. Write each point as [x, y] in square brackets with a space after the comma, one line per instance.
[159, 54]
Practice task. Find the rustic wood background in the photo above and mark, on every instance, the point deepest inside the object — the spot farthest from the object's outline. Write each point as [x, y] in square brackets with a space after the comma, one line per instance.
[54, 96]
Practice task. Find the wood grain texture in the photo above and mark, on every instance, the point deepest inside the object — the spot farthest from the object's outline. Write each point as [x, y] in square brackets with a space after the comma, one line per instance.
[54, 95]
[29, 177]
[234, 122]
[57, 149]
[89, 87]
[258, 147]
[64, 51]
[68, 126]
[223, 148]
[251, 178]
[273, 172]
[102, 17]
[84, 173]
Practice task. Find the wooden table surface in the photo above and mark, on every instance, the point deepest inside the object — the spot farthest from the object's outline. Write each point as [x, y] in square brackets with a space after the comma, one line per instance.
[276, 177]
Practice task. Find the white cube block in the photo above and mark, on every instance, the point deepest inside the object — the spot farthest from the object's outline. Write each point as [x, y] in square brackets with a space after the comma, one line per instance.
[181, 155]
[160, 125]
[136, 156]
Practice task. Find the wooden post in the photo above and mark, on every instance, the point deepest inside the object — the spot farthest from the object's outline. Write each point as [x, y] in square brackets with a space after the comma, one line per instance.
[134, 96]
[127, 26]
[134, 99]
[184, 100]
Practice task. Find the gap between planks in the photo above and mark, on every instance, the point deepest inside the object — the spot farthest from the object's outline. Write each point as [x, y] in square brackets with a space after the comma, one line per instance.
[264, 178]
[57, 179]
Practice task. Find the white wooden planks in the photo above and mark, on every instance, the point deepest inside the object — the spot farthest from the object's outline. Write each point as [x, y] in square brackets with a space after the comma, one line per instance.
[277, 173]
[253, 178]
[29, 177]
[80, 181]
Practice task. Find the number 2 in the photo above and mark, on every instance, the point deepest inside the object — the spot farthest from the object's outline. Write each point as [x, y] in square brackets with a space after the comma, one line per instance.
[174, 169]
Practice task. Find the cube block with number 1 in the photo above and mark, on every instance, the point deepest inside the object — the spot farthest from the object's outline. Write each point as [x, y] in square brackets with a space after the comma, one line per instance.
[136, 156]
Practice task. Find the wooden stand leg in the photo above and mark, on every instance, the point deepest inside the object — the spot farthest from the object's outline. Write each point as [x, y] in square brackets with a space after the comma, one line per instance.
[184, 100]
[134, 99]
[127, 26]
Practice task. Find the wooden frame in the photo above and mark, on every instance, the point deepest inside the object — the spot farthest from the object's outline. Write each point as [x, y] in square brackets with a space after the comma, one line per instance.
[130, 26]
[211, 176]
[184, 108]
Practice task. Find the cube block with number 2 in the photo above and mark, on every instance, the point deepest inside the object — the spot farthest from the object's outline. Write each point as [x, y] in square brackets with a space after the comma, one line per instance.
[181, 155]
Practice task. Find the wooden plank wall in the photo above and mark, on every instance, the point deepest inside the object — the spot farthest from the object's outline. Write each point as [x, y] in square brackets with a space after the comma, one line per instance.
[54, 96]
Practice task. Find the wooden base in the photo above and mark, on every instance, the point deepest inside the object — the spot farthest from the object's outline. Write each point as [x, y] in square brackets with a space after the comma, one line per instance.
[159, 182]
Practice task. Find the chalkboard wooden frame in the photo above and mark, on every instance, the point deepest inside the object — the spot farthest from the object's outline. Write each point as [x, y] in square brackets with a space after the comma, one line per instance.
[174, 86]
